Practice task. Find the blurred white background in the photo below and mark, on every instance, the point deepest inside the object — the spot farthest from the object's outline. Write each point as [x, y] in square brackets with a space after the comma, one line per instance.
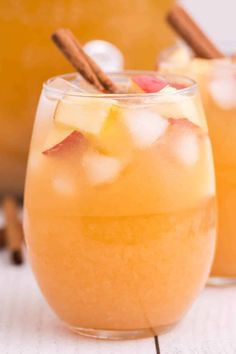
[217, 18]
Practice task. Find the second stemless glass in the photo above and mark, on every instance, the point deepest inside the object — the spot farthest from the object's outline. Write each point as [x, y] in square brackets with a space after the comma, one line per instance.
[217, 81]
[120, 206]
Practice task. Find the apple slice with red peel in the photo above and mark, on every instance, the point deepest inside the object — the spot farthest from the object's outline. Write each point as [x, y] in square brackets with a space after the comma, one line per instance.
[149, 84]
[134, 88]
[71, 142]
[178, 86]
[184, 123]
[177, 106]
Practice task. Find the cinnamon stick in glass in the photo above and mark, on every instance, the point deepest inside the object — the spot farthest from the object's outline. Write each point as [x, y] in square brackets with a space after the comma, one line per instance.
[86, 66]
[186, 28]
[105, 81]
[70, 51]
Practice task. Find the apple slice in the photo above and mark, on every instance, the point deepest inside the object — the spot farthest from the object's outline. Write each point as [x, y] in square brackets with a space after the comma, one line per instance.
[179, 105]
[149, 84]
[133, 87]
[69, 143]
[178, 85]
[184, 123]
[56, 134]
[114, 138]
[87, 115]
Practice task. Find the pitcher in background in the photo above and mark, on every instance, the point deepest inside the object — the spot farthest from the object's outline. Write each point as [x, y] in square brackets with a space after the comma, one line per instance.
[25, 28]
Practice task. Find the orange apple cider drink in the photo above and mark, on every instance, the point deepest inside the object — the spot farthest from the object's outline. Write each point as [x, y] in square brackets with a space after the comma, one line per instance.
[120, 203]
[217, 81]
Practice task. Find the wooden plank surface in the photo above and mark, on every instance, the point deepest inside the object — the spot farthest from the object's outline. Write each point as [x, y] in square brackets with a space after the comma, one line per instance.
[209, 328]
[28, 326]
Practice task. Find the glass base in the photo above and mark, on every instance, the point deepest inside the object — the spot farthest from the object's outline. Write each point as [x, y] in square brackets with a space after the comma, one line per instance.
[122, 334]
[221, 281]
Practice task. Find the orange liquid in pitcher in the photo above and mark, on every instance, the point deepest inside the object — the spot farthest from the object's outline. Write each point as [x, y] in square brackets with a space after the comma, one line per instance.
[31, 58]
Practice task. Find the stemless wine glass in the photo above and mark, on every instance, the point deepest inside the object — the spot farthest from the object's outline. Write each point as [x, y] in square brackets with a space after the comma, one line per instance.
[120, 205]
[217, 81]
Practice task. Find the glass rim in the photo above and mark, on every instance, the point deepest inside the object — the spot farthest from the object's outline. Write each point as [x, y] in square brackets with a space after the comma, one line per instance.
[192, 85]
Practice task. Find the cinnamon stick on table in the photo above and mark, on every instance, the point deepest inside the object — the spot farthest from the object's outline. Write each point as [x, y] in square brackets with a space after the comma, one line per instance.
[73, 51]
[2, 238]
[187, 29]
[14, 231]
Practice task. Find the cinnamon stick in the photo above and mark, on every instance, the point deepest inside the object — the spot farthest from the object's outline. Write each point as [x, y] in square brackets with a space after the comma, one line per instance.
[86, 66]
[106, 82]
[2, 238]
[14, 231]
[187, 28]
[70, 51]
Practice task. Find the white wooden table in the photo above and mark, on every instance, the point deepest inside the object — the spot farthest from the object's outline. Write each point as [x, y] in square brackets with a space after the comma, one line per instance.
[28, 326]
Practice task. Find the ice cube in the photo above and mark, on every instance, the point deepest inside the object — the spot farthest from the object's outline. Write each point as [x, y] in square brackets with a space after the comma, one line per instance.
[62, 84]
[180, 55]
[106, 54]
[85, 86]
[145, 126]
[223, 91]
[187, 148]
[61, 87]
[84, 114]
[63, 185]
[101, 168]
